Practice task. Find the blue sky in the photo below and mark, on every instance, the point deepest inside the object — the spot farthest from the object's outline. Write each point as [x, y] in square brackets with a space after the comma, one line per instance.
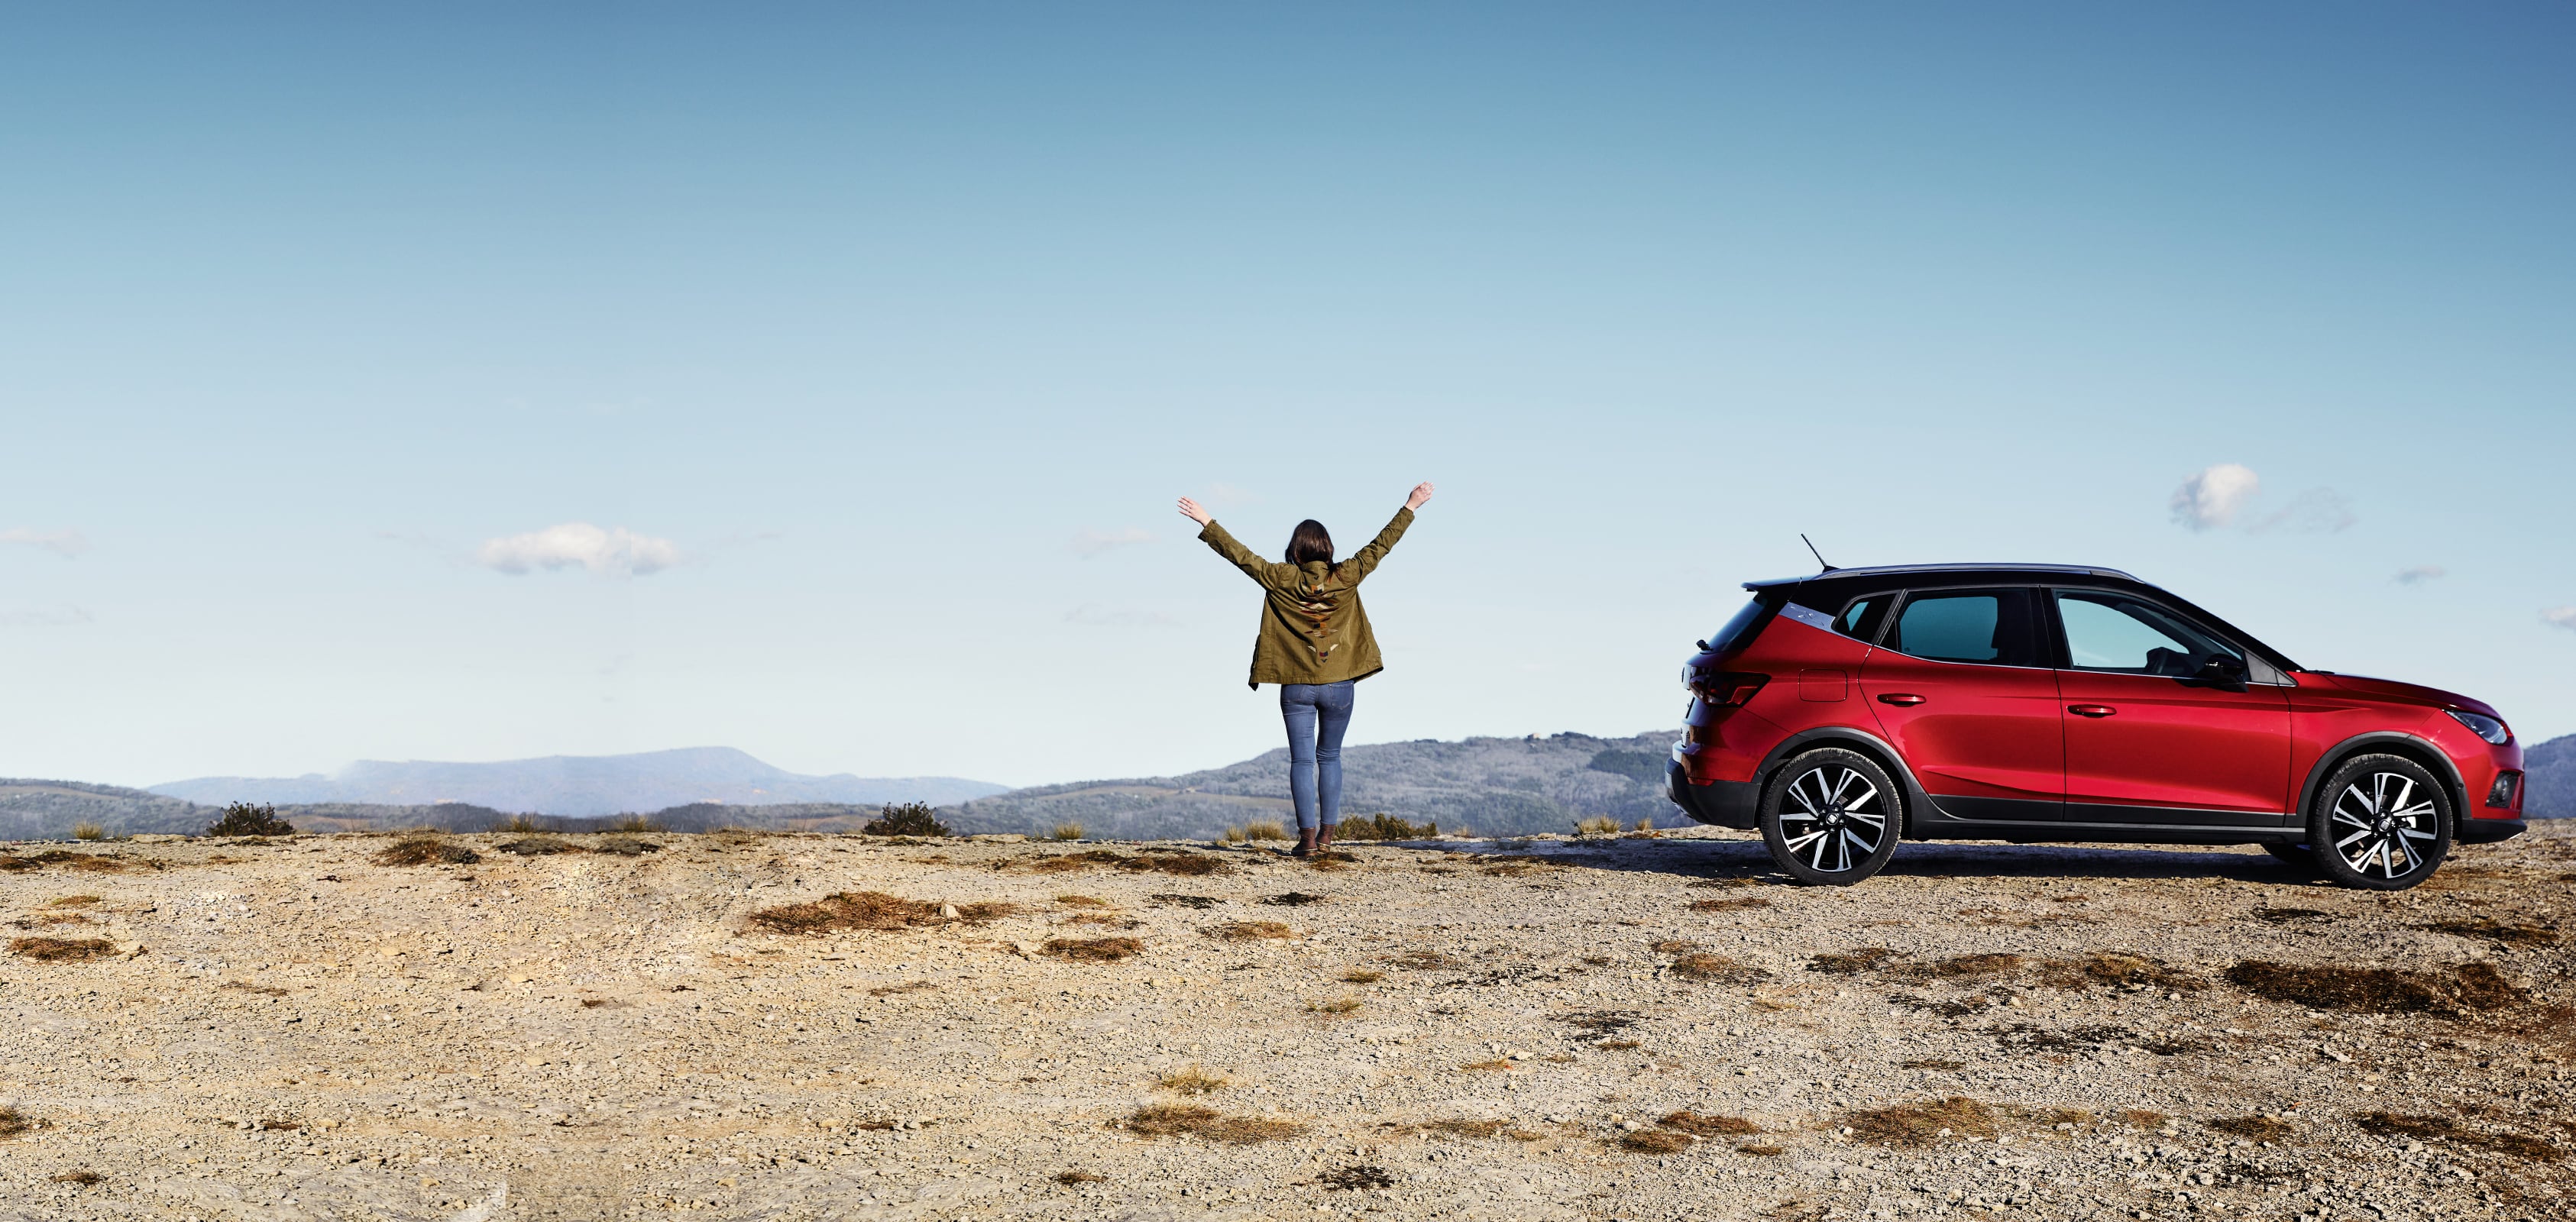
[874, 342]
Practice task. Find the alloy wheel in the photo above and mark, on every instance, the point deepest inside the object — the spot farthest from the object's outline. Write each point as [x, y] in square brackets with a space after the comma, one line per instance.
[1833, 815]
[2378, 820]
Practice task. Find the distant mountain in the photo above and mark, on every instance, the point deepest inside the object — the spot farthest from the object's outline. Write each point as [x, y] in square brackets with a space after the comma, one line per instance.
[578, 786]
[1492, 785]
[42, 810]
[2549, 779]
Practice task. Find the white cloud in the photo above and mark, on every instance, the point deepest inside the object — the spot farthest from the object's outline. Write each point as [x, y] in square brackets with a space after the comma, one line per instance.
[2215, 496]
[1088, 543]
[2560, 617]
[2317, 511]
[1094, 615]
[606, 553]
[63, 616]
[2420, 574]
[63, 543]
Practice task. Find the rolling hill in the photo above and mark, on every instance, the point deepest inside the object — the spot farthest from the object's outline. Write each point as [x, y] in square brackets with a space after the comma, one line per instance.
[578, 786]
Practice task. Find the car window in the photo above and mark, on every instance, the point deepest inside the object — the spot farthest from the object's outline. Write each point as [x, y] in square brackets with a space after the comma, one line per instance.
[1991, 626]
[1725, 638]
[1861, 618]
[2112, 632]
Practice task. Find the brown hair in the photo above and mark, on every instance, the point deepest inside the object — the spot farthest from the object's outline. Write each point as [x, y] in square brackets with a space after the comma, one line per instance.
[1309, 542]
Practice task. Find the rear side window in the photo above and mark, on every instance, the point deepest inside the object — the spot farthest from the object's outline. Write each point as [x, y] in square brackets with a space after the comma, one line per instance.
[1988, 626]
[1861, 619]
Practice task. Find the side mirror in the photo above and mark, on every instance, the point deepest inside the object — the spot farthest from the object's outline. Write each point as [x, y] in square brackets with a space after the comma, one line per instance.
[2223, 671]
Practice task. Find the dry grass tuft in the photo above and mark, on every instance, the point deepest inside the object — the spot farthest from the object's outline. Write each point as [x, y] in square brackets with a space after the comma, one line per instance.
[75, 901]
[1761, 1149]
[96, 863]
[632, 824]
[1710, 1126]
[519, 825]
[1619, 1045]
[83, 1179]
[1362, 975]
[2441, 1128]
[1083, 901]
[1932, 1064]
[2492, 930]
[1360, 1178]
[1267, 829]
[1192, 1080]
[1066, 831]
[88, 831]
[1070, 1178]
[1920, 1124]
[1653, 1141]
[1249, 931]
[873, 910]
[244, 986]
[1233, 835]
[426, 851]
[2254, 1128]
[1338, 1005]
[2141, 1118]
[1973, 967]
[63, 950]
[1206, 1123]
[1423, 961]
[2379, 990]
[1729, 905]
[1163, 861]
[1330, 860]
[1717, 969]
[1496, 1065]
[14, 1122]
[1385, 827]
[1850, 962]
[1094, 950]
[1597, 825]
[536, 846]
[2121, 968]
[1465, 1128]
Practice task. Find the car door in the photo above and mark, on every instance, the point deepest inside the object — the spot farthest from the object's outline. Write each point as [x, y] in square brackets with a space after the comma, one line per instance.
[2153, 735]
[1961, 688]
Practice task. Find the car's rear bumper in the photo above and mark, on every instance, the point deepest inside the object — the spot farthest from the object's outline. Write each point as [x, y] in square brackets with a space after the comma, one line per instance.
[2488, 831]
[1721, 803]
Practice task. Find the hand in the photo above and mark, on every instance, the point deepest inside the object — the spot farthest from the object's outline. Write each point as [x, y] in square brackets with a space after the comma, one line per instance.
[1421, 494]
[1190, 509]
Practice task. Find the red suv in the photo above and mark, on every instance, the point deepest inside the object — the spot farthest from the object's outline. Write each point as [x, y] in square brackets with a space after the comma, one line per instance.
[2032, 702]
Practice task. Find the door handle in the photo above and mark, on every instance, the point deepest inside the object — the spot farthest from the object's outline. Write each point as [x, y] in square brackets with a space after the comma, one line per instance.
[1906, 699]
[2091, 710]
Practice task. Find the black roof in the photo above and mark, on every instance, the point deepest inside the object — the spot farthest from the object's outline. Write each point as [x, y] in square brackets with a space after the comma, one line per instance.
[1890, 570]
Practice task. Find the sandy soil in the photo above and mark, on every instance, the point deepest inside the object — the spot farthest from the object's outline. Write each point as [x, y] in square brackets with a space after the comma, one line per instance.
[1459, 1029]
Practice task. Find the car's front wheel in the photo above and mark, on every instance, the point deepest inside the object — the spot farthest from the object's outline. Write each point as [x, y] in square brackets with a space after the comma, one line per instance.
[1831, 817]
[2382, 822]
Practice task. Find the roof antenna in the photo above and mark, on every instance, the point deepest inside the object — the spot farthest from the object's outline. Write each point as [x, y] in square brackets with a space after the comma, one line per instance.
[1811, 550]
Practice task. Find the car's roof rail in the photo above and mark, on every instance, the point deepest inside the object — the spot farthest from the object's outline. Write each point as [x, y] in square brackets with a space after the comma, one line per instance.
[2077, 570]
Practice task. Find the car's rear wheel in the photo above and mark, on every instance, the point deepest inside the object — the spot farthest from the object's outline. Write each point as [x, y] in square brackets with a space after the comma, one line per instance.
[1831, 817]
[2382, 822]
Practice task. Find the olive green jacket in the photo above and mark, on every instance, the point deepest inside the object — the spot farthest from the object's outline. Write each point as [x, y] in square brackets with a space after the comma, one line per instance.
[1312, 627]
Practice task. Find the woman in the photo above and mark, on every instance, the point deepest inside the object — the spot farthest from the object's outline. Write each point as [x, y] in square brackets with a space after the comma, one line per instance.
[1315, 644]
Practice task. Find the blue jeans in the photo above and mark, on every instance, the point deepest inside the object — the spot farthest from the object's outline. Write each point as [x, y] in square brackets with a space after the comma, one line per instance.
[1316, 715]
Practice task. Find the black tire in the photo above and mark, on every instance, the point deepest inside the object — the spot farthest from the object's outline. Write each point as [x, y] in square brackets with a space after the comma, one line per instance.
[1831, 817]
[2295, 856]
[2381, 822]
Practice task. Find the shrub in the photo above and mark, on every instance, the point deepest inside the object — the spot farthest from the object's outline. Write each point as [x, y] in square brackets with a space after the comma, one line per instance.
[1385, 827]
[1267, 829]
[1068, 831]
[1597, 825]
[88, 831]
[426, 851]
[906, 819]
[244, 819]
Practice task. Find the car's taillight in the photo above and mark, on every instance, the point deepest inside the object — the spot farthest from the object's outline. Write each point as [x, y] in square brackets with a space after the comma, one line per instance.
[2507, 787]
[1725, 688]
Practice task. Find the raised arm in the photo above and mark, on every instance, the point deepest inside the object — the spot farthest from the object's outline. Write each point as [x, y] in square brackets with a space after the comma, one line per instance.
[1225, 544]
[1358, 566]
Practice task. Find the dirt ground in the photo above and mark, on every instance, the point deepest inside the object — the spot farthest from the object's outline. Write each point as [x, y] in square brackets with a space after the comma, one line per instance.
[692, 1026]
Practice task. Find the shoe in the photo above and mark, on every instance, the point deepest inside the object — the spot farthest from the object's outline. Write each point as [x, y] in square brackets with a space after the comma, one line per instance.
[1305, 843]
[1324, 838]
